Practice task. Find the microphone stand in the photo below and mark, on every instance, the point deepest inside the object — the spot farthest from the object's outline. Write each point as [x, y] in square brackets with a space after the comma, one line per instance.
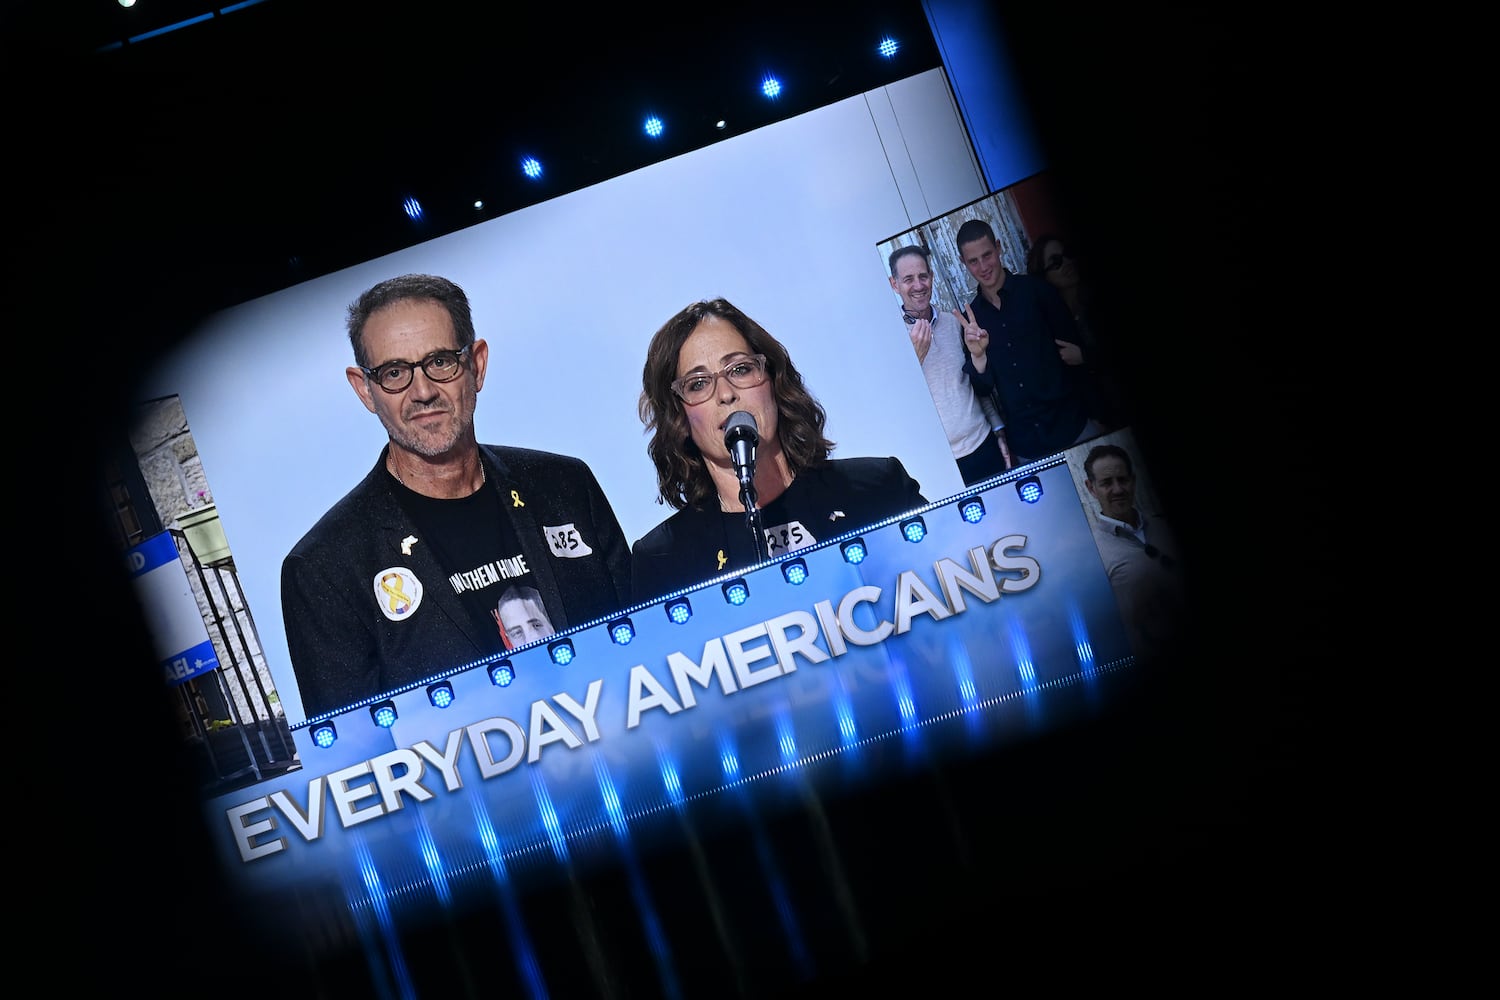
[752, 518]
[740, 439]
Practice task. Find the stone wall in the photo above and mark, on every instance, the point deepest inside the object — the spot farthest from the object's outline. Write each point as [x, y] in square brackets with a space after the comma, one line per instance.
[169, 462]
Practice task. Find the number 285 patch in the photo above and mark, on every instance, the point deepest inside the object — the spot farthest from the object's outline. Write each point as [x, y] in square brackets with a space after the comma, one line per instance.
[787, 537]
[565, 541]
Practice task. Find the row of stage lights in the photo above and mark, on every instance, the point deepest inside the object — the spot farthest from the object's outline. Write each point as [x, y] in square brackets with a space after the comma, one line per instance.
[654, 127]
[679, 610]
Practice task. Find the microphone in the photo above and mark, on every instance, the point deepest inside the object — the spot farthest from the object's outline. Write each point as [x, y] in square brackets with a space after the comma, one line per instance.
[741, 437]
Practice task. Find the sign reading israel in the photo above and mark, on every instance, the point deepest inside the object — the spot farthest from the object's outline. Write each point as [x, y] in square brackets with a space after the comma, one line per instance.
[171, 611]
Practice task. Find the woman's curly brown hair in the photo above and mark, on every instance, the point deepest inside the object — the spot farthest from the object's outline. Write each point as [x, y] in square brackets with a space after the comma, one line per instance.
[682, 478]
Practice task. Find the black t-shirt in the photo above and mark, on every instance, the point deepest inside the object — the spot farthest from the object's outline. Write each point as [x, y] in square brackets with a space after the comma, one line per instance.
[476, 543]
[824, 502]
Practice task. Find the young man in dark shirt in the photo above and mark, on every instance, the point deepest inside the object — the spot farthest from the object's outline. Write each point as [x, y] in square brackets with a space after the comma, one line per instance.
[1024, 346]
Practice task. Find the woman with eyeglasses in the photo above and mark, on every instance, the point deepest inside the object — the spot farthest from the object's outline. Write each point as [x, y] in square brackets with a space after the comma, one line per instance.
[1051, 258]
[706, 365]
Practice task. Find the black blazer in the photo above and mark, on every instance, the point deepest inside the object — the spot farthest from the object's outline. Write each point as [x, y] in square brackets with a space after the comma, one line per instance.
[349, 642]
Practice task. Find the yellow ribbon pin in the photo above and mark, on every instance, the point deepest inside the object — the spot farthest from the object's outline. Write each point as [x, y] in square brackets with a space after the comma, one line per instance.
[515, 499]
[399, 600]
[722, 559]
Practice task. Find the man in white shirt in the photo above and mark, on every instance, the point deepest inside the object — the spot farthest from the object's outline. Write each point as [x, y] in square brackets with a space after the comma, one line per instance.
[1140, 555]
[970, 420]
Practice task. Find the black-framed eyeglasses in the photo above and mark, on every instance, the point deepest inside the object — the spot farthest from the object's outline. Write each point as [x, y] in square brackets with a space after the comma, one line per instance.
[1056, 261]
[744, 372]
[439, 366]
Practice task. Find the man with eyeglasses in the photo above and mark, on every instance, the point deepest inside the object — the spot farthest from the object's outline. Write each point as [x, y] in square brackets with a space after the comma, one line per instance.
[399, 580]
[970, 420]
[1140, 555]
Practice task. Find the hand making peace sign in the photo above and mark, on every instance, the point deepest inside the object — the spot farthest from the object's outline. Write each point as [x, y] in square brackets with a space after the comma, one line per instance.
[976, 337]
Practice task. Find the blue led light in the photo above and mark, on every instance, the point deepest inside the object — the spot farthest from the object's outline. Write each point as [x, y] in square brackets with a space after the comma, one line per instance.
[413, 209]
[654, 127]
[671, 780]
[440, 694]
[770, 86]
[972, 510]
[729, 762]
[915, 529]
[502, 673]
[622, 631]
[854, 550]
[384, 714]
[324, 734]
[848, 730]
[531, 167]
[786, 741]
[562, 652]
[679, 610]
[736, 592]
[887, 47]
[794, 571]
[1029, 489]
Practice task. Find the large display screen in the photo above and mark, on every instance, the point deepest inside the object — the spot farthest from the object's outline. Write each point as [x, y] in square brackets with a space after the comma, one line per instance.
[783, 222]
[984, 616]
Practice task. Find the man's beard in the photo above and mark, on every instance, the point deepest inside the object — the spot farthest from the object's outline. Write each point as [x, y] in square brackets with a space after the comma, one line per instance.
[429, 445]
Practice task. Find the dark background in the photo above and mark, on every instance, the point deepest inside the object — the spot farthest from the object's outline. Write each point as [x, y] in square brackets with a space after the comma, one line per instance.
[1184, 839]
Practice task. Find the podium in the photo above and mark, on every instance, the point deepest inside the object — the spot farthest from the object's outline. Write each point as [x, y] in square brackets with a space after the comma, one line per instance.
[938, 634]
[948, 630]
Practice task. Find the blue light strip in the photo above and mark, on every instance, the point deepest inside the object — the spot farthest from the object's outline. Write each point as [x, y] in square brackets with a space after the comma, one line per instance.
[437, 874]
[963, 671]
[844, 712]
[729, 760]
[655, 934]
[786, 739]
[526, 954]
[189, 22]
[776, 885]
[1081, 643]
[670, 778]
[172, 27]
[375, 894]
[901, 685]
[550, 820]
